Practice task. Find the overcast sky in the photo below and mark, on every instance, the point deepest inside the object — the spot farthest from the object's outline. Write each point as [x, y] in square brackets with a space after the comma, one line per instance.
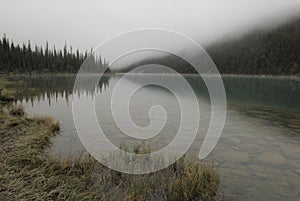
[87, 23]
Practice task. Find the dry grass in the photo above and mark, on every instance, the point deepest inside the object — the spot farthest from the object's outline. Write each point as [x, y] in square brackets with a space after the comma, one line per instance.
[17, 111]
[28, 173]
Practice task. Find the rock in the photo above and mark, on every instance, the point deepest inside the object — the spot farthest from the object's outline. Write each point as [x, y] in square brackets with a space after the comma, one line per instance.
[272, 158]
[293, 178]
[258, 170]
[291, 152]
[242, 173]
[234, 157]
[294, 126]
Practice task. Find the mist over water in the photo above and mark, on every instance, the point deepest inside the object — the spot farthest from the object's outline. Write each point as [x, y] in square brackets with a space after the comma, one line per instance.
[85, 24]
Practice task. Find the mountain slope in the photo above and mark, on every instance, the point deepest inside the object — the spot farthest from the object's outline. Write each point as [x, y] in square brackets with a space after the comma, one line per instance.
[273, 52]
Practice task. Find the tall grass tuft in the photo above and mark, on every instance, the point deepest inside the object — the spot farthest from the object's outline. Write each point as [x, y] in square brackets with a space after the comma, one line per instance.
[17, 111]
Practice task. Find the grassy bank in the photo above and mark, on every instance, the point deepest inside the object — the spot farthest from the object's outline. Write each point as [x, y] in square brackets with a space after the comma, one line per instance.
[7, 89]
[28, 173]
[13, 89]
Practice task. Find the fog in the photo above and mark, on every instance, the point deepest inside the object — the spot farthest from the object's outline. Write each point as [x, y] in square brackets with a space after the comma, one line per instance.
[85, 24]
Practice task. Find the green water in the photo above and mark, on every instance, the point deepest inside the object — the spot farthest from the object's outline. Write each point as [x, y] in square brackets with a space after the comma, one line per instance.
[258, 155]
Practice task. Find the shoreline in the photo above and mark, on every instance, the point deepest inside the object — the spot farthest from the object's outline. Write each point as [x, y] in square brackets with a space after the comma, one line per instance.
[29, 173]
[160, 74]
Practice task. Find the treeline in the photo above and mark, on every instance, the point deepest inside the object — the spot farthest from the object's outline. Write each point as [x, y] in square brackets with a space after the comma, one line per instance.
[53, 87]
[273, 52]
[28, 59]
[170, 60]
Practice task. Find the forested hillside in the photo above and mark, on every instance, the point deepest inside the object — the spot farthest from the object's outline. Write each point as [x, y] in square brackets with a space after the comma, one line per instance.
[273, 52]
[25, 59]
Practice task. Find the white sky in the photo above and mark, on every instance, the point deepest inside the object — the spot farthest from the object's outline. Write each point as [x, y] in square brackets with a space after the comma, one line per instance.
[87, 23]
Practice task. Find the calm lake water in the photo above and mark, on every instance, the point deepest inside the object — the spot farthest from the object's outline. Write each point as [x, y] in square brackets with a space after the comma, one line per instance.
[258, 155]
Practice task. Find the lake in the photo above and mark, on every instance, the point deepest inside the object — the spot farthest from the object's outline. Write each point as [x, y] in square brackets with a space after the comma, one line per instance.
[258, 155]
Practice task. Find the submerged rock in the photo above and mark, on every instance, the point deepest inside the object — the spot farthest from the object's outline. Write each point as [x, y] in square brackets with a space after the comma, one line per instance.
[272, 158]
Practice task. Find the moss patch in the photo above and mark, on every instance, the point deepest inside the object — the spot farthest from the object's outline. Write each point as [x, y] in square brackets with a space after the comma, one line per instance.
[8, 87]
